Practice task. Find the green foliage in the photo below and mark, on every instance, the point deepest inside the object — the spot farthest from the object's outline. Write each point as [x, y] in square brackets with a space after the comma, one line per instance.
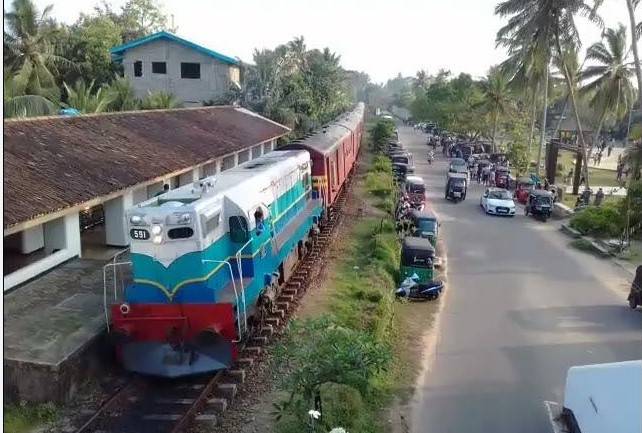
[295, 86]
[86, 99]
[23, 418]
[381, 133]
[18, 104]
[603, 221]
[159, 101]
[122, 95]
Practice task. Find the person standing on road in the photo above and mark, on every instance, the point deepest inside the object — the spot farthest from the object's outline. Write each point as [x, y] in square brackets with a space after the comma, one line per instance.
[599, 197]
[609, 150]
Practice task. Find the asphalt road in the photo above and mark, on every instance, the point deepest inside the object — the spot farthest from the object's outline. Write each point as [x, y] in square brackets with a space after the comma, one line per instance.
[522, 307]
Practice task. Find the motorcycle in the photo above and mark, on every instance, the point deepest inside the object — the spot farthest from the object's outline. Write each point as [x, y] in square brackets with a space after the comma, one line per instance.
[411, 289]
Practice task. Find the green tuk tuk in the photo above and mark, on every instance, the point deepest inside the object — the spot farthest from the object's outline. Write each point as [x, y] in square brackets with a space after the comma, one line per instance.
[425, 225]
[417, 257]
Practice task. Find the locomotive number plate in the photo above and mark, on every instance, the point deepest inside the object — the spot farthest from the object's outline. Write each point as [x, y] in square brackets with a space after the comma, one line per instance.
[139, 234]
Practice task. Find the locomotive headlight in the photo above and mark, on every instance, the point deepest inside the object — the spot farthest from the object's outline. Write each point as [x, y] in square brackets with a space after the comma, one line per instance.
[157, 239]
[185, 218]
[136, 220]
[156, 229]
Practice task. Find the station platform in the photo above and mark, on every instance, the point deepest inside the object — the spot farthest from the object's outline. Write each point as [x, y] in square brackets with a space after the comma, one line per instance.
[54, 332]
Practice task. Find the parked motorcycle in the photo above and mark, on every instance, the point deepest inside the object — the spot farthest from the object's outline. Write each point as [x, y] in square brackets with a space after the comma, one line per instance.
[411, 289]
[635, 296]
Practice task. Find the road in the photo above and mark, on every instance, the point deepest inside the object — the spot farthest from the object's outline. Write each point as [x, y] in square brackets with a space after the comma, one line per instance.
[522, 307]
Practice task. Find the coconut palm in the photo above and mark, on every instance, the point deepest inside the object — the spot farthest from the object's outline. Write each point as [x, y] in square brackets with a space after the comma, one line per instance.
[549, 26]
[122, 95]
[86, 99]
[635, 35]
[30, 53]
[496, 98]
[160, 100]
[610, 79]
[18, 104]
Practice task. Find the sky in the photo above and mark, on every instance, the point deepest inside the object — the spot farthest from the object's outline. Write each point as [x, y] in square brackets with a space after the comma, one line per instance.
[381, 38]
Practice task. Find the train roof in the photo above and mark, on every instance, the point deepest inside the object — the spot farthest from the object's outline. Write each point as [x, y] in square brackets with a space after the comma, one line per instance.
[330, 135]
[244, 186]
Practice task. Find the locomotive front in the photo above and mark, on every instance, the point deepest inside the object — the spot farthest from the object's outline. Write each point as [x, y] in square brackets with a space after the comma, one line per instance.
[170, 323]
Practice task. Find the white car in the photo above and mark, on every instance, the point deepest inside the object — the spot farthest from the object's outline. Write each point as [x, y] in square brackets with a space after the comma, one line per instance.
[497, 201]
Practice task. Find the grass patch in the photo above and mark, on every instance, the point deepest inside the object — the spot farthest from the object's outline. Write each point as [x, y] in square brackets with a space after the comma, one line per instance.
[24, 418]
[582, 245]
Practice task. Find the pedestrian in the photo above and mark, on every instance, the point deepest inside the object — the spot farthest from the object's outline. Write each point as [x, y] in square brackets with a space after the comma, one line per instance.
[599, 197]
[546, 184]
[609, 150]
[582, 180]
[599, 157]
[619, 169]
[479, 173]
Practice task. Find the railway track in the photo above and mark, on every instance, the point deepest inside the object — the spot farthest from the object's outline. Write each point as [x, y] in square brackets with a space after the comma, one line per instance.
[164, 406]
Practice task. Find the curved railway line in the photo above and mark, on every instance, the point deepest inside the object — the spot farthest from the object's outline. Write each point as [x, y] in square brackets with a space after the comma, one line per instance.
[164, 406]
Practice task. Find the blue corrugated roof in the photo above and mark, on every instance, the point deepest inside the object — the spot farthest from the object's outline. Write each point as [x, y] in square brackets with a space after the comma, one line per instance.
[117, 52]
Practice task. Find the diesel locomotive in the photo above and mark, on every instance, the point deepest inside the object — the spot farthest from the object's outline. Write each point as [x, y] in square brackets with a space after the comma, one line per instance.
[209, 258]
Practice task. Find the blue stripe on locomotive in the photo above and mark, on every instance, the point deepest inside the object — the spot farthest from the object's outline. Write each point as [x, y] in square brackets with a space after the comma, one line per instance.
[188, 280]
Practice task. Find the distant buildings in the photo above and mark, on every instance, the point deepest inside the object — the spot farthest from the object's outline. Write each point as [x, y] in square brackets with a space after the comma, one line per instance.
[165, 62]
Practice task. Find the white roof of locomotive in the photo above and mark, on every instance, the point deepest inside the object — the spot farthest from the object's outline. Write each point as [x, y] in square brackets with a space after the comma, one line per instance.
[245, 186]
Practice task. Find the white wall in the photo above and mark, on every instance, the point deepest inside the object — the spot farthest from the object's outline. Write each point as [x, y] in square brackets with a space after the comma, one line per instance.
[32, 239]
[62, 234]
[216, 76]
[115, 223]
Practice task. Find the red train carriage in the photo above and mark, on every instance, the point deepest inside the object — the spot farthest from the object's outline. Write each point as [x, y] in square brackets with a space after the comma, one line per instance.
[333, 150]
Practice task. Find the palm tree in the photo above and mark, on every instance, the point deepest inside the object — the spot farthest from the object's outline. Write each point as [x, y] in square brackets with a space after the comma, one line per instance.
[612, 92]
[86, 99]
[122, 94]
[30, 53]
[548, 26]
[635, 35]
[496, 98]
[159, 101]
[18, 104]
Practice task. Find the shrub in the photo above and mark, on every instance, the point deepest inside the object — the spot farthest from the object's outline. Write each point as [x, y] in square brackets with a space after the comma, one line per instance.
[603, 221]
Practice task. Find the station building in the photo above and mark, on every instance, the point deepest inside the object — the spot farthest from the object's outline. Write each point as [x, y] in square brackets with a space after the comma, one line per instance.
[69, 180]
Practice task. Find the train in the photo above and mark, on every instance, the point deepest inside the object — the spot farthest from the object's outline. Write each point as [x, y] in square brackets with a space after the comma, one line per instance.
[208, 259]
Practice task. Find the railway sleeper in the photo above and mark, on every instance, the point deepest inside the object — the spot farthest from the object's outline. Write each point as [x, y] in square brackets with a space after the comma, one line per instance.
[226, 390]
[284, 298]
[237, 375]
[260, 340]
[267, 330]
[252, 350]
[290, 292]
[274, 321]
[284, 306]
[218, 404]
[245, 362]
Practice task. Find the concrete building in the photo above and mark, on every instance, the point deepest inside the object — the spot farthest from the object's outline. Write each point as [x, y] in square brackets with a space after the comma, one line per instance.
[69, 180]
[165, 62]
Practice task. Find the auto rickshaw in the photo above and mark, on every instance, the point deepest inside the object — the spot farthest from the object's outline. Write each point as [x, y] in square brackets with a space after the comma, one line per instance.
[540, 204]
[502, 176]
[523, 188]
[425, 225]
[405, 158]
[417, 257]
[456, 186]
[416, 190]
[401, 170]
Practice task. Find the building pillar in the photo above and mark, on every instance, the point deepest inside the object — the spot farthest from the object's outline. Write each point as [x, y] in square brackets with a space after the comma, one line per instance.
[115, 222]
[32, 239]
[219, 165]
[63, 234]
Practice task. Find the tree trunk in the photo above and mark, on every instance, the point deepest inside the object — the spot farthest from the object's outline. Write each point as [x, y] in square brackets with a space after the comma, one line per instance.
[533, 117]
[542, 136]
[571, 91]
[634, 47]
[495, 120]
[559, 123]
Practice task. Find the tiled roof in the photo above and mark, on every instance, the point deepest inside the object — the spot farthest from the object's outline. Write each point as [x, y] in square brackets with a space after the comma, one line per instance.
[52, 163]
[120, 50]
